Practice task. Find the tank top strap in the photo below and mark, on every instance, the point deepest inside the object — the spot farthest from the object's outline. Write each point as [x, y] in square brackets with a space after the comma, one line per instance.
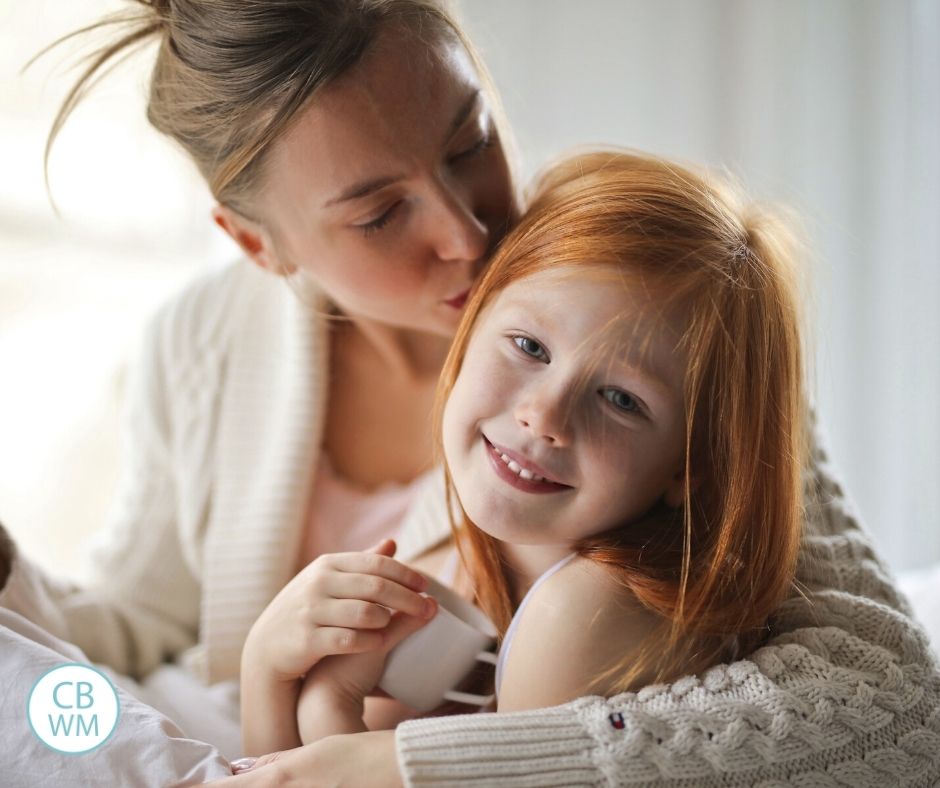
[514, 624]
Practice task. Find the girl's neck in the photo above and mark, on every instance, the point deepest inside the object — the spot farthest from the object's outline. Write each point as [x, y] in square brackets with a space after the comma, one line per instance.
[526, 563]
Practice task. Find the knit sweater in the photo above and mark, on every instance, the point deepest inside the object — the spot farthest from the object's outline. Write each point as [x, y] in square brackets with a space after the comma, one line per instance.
[225, 413]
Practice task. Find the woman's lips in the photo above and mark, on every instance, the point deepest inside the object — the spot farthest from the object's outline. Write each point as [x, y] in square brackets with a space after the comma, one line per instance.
[511, 477]
[458, 301]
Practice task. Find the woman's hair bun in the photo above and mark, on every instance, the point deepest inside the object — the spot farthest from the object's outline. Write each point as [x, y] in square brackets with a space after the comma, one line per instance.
[162, 8]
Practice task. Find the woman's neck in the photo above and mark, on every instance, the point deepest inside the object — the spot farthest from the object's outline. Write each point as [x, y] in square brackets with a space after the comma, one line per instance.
[407, 355]
[382, 387]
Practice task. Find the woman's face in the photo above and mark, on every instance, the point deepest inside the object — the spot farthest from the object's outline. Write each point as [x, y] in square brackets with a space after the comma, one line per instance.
[392, 188]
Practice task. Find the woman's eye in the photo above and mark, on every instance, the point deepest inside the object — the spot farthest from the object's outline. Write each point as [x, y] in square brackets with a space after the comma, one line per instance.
[379, 222]
[484, 143]
[530, 347]
[621, 400]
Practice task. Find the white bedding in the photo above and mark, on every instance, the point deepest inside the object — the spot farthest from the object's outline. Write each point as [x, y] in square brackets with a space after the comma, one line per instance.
[146, 749]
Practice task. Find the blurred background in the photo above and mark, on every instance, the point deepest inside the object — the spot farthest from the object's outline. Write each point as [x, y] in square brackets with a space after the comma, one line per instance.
[830, 106]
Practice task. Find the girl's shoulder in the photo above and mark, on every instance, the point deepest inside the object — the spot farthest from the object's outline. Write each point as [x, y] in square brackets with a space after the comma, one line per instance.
[582, 586]
[577, 625]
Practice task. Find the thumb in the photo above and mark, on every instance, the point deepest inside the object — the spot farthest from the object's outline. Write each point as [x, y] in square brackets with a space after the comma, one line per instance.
[402, 625]
[243, 765]
[386, 547]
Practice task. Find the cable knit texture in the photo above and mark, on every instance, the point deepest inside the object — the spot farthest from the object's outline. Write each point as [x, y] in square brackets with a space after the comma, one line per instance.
[845, 695]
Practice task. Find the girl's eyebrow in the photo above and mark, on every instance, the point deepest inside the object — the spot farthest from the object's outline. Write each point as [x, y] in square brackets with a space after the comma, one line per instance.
[364, 188]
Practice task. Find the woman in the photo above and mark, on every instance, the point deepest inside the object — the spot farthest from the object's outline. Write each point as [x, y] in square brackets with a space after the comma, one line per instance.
[354, 154]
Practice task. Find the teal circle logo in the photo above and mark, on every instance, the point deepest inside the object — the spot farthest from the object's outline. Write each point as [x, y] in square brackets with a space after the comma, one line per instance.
[73, 708]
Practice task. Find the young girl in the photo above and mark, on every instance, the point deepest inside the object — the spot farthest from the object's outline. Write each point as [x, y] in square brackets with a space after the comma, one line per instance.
[622, 425]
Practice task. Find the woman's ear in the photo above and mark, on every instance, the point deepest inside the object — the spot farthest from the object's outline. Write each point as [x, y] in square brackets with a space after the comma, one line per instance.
[253, 238]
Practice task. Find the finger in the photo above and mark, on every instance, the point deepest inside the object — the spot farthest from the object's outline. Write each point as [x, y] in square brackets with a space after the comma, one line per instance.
[264, 760]
[353, 614]
[246, 776]
[401, 627]
[340, 640]
[380, 590]
[386, 547]
[242, 764]
[380, 566]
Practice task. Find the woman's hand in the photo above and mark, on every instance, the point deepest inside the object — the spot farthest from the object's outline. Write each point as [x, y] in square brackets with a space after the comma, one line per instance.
[358, 760]
[341, 603]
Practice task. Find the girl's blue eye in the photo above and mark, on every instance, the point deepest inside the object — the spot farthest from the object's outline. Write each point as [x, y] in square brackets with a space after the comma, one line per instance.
[621, 400]
[531, 348]
[379, 222]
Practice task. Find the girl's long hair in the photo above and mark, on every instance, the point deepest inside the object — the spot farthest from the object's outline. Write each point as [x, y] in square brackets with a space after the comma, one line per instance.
[715, 569]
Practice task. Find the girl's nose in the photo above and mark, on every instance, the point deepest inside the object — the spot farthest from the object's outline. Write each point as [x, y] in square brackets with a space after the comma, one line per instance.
[546, 414]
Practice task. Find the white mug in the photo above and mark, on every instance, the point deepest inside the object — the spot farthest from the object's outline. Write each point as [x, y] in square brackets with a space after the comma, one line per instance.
[423, 669]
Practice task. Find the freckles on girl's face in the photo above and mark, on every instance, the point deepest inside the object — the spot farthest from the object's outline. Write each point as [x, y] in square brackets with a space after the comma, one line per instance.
[561, 425]
[392, 188]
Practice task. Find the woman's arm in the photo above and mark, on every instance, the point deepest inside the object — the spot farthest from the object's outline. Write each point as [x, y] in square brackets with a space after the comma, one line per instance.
[846, 694]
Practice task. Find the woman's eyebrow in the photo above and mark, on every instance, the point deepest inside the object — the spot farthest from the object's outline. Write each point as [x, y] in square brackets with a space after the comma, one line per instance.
[463, 113]
[364, 188]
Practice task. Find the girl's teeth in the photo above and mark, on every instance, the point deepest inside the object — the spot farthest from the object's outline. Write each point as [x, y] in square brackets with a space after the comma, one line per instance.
[516, 468]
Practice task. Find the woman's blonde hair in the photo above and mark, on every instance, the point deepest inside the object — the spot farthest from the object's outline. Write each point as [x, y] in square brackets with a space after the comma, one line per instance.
[232, 75]
[715, 569]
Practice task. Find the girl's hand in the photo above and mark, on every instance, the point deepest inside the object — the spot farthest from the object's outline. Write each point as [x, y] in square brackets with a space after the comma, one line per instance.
[332, 699]
[340, 603]
[359, 760]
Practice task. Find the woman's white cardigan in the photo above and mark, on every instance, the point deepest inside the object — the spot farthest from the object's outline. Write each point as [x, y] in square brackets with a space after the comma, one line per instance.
[224, 417]
[224, 422]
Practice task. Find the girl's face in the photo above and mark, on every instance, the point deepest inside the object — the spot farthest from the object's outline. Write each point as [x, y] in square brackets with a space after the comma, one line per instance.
[567, 417]
[392, 188]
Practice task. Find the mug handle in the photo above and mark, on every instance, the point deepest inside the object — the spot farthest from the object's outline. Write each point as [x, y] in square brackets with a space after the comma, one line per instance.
[468, 697]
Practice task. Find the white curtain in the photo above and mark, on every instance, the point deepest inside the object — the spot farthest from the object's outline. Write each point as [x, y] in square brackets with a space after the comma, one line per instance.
[831, 106]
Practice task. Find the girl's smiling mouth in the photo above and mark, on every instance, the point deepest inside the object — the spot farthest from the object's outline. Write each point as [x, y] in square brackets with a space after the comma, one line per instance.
[519, 472]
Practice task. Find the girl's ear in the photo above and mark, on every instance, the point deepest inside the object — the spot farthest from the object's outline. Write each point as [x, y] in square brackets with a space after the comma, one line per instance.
[674, 497]
[253, 238]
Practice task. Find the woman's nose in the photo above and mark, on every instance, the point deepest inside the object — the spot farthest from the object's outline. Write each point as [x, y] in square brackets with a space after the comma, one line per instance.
[460, 235]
